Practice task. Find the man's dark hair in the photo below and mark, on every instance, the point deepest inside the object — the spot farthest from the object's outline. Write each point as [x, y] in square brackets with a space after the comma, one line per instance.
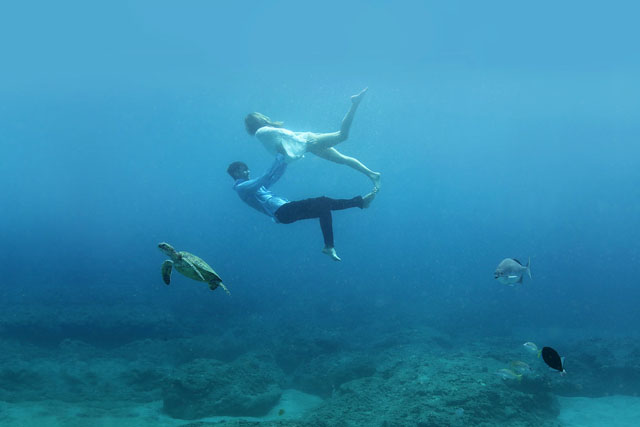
[236, 167]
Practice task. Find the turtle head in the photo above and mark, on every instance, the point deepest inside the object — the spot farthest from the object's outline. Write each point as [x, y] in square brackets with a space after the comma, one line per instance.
[167, 249]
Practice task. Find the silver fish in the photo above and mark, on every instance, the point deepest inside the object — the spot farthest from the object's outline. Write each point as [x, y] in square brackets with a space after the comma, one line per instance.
[520, 367]
[532, 348]
[508, 374]
[510, 271]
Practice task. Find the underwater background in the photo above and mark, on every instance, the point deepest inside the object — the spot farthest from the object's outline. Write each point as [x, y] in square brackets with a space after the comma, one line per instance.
[501, 129]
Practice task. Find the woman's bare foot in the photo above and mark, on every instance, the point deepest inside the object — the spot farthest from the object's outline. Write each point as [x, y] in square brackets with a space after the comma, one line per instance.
[357, 98]
[331, 252]
[367, 199]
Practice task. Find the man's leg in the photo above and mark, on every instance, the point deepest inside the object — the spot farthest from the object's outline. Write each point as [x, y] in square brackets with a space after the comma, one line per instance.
[319, 207]
[314, 207]
[326, 225]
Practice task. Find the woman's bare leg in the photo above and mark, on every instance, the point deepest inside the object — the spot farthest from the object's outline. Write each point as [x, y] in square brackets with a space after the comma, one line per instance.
[335, 156]
[348, 118]
[321, 141]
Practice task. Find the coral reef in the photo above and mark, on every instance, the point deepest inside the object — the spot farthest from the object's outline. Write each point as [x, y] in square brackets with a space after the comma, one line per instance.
[205, 387]
[239, 375]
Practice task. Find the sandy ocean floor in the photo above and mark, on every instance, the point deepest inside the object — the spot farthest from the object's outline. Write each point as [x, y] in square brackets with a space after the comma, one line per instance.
[612, 411]
[51, 413]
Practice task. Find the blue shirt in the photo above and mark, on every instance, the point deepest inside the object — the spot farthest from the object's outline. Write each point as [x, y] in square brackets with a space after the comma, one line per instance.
[255, 192]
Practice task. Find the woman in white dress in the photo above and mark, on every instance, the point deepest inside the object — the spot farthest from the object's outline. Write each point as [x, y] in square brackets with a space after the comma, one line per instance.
[293, 145]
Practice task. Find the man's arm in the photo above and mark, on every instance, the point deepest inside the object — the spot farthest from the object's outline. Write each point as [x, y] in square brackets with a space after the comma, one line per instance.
[269, 178]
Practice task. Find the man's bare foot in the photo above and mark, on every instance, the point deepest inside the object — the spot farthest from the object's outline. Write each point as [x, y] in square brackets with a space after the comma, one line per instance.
[376, 177]
[367, 199]
[331, 252]
[357, 98]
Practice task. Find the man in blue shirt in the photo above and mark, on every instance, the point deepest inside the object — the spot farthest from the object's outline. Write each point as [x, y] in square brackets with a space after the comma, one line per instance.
[255, 192]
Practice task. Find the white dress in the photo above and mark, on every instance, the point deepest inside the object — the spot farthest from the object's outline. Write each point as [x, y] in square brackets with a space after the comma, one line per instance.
[279, 140]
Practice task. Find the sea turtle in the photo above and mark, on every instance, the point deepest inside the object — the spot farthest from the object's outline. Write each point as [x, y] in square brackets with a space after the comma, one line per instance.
[191, 266]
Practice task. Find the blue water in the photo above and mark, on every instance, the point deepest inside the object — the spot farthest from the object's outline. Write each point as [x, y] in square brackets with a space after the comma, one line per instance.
[501, 129]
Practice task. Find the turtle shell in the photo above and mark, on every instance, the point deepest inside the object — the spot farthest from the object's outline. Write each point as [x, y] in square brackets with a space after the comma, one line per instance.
[202, 267]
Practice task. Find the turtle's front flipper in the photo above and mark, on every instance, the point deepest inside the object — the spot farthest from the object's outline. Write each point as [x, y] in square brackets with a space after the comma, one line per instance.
[166, 271]
[213, 285]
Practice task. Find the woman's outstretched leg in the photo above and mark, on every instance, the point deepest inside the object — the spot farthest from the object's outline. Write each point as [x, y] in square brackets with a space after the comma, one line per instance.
[335, 156]
[348, 118]
[322, 141]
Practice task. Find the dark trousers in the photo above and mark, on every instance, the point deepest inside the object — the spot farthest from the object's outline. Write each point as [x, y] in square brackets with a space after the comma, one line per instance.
[318, 207]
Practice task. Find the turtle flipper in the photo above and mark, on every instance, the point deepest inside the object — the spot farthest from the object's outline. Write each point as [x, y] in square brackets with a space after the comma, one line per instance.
[213, 285]
[166, 271]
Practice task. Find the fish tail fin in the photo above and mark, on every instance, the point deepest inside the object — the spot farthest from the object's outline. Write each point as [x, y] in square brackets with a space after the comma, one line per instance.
[539, 353]
[529, 268]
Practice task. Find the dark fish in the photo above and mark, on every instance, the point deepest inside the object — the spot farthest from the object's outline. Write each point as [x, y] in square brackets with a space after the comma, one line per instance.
[553, 359]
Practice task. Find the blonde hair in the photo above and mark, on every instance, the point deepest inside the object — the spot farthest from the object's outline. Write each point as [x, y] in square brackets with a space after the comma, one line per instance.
[255, 121]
